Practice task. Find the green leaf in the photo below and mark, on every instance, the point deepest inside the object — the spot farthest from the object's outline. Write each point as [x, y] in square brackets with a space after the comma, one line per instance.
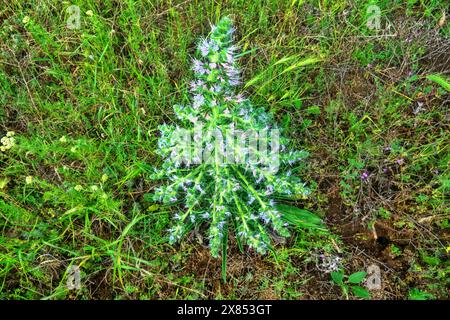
[300, 217]
[432, 261]
[254, 79]
[357, 277]
[298, 64]
[416, 294]
[301, 63]
[360, 292]
[440, 80]
[338, 277]
[313, 110]
[285, 59]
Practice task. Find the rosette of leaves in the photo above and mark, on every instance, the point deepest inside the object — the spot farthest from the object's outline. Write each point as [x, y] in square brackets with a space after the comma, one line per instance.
[225, 196]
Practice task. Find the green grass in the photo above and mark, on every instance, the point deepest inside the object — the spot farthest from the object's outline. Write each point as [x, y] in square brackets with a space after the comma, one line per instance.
[85, 105]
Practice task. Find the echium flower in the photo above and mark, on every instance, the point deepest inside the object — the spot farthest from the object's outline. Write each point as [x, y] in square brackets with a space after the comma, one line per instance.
[235, 195]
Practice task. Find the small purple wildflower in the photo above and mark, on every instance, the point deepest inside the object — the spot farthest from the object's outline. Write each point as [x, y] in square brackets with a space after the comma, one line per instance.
[204, 48]
[197, 67]
[198, 101]
[364, 176]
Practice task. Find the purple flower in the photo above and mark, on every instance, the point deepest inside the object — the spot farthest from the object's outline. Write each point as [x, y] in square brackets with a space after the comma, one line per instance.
[269, 190]
[204, 48]
[230, 57]
[364, 175]
[234, 82]
[239, 98]
[198, 101]
[197, 67]
[205, 215]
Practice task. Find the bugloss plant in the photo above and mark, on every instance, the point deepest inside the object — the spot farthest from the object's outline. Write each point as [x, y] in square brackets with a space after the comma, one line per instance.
[237, 195]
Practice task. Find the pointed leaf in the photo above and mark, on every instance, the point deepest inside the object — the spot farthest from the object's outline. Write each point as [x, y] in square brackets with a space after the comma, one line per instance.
[360, 292]
[300, 217]
[357, 277]
[444, 83]
[338, 277]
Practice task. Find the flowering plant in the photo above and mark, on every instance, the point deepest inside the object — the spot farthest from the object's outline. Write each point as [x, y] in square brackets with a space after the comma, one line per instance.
[239, 192]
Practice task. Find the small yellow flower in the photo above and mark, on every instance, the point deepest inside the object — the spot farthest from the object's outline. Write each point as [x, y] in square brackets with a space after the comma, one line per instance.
[63, 139]
[104, 177]
[94, 188]
[78, 188]
[89, 13]
[26, 19]
[10, 133]
[73, 149]
[29, 180]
